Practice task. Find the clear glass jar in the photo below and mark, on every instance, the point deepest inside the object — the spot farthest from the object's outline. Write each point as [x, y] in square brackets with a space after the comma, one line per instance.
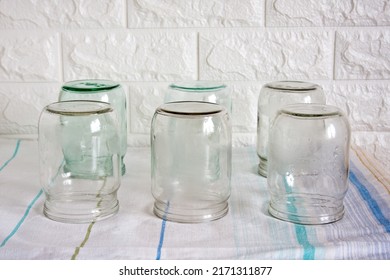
[79, 156]
[191, 161]
[308, 163]
[104, 91]
[205, 91]
[272, 97]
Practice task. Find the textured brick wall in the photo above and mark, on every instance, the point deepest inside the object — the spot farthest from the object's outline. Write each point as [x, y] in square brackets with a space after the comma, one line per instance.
[146, 44]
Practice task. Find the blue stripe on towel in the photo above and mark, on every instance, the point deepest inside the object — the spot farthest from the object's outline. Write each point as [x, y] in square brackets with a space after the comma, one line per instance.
[16, 228]
[371, 202]
[28, 207]
[13, 155]
[161, 242]
[308, 249]
[300, 230]
[162, 234]
[22, 219]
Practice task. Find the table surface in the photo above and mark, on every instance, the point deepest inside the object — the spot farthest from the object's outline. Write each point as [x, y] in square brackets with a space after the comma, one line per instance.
[246, 232]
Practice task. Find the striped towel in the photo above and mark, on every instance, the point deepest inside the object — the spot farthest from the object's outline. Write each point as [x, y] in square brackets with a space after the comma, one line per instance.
[247, 232]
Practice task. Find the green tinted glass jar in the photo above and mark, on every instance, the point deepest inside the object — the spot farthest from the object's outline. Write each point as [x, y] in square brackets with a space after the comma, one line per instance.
[201, 91]
[104, 91]
[79, 161]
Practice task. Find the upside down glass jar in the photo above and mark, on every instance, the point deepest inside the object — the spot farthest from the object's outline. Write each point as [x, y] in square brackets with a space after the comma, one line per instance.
[272, 97]
[79, 159]
[203, 91]
[308, 163]
[104, 91]
[191, 161]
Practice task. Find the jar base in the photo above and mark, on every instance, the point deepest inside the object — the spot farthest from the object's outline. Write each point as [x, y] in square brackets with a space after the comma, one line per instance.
[80, 211]
[263, 167]
[307, 211]
[168, 212]
[123, 168]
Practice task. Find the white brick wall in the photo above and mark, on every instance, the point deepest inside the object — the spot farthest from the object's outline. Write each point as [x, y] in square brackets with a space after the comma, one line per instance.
[146, 44]
[269, 54]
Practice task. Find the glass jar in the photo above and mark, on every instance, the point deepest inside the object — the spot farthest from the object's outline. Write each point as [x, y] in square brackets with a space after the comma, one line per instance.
[191, 161]
[308, 163]
[272, 97]
[205, 91]
[79, 156]
[104, 91]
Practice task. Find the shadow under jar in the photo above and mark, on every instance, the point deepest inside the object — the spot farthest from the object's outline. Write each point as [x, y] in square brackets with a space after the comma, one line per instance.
[272, 97]
[104, 91]
[191, 161]
[79, 156]
[308, 164]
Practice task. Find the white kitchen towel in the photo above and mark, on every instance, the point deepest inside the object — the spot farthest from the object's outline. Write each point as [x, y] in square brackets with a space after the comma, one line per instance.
[246, 232]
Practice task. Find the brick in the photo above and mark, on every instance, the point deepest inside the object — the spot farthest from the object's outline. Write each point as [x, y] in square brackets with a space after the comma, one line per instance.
[138, 140]
[366, 104]
[252, 55]
[375, 143]
[139, 56]
[29, 99]
[244, 140]
[244, 108]
[327, 13]
[144, 100]
[28, 14]
[362, 55]
[29, 57]
[177, 13]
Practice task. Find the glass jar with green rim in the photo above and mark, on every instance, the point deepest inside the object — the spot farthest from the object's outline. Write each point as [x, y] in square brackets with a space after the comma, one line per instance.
[204, 91]
[79, 160]
[104, 91]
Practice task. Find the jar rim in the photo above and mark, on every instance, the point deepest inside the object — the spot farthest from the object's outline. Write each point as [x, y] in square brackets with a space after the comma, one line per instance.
[190, 108]
[91, 85]
[311, 110]
[197, 86]
[292, 86]
[79, 108]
